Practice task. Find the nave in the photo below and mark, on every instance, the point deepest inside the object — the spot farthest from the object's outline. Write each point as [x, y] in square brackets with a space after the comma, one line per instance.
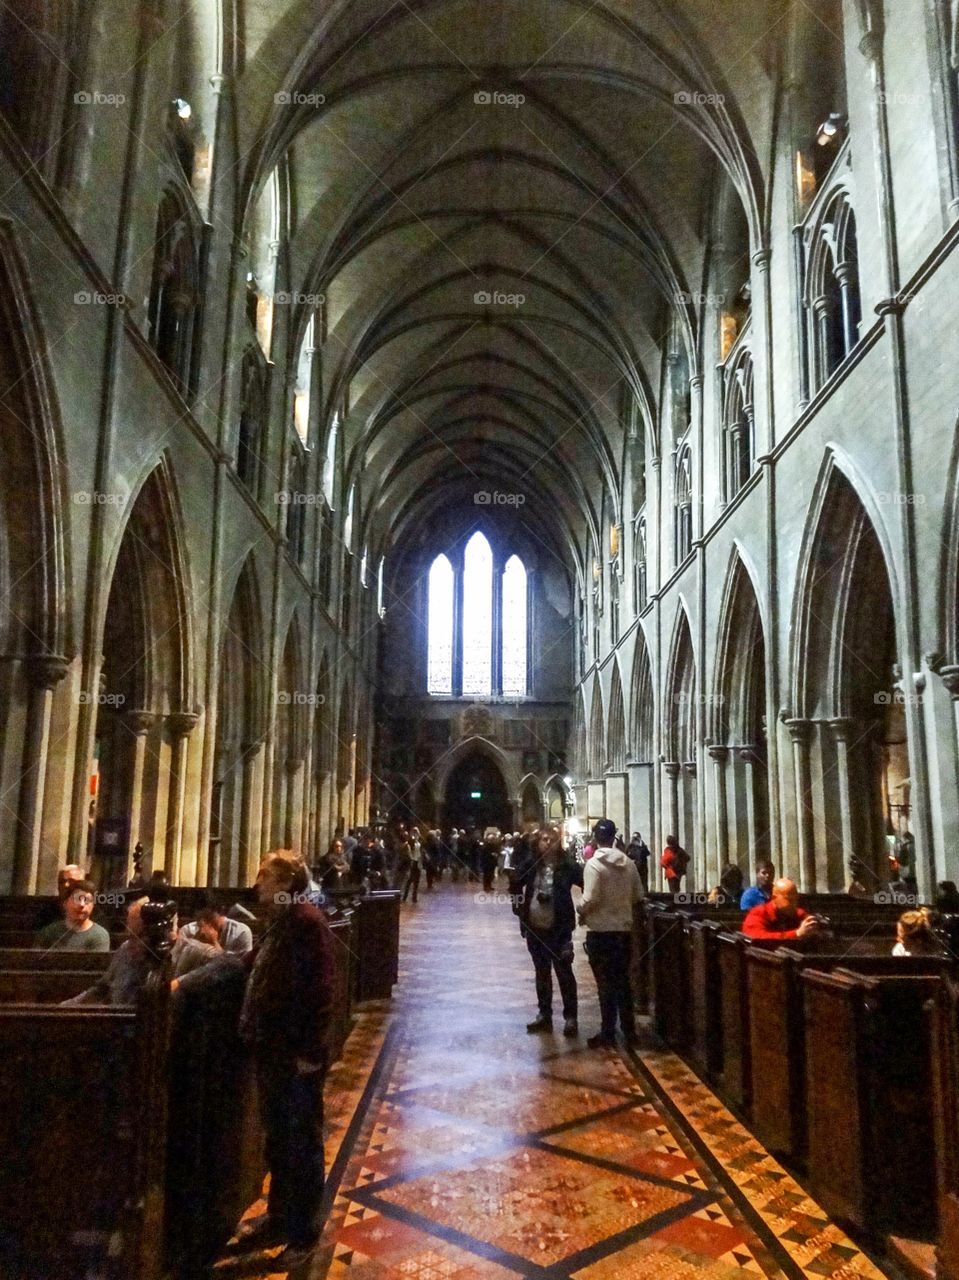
[461, 1148]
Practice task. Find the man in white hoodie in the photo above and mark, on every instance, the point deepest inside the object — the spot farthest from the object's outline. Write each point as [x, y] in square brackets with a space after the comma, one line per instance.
[611, 888]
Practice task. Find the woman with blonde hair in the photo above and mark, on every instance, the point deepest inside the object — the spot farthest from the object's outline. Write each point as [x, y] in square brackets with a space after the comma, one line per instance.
[915, 935]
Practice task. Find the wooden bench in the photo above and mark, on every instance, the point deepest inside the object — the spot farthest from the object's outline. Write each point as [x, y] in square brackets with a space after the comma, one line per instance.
[12, 959]
[376, 940]
[777, 1038]
[94, 1072]
[44, 986]
[869, 1095]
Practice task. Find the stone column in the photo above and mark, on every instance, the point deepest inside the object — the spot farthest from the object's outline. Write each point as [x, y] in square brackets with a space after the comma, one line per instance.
[719, 756]
[799, 733]
[840, 729]
[248, 853]
[179, 725]
[44, 673]
[671, 769]
[139, 724]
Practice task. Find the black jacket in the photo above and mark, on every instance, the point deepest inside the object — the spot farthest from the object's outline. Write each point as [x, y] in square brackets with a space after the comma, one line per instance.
[568, 872]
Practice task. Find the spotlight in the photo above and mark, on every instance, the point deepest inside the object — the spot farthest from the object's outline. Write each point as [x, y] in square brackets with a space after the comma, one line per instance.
[182, 108]
[828, 131]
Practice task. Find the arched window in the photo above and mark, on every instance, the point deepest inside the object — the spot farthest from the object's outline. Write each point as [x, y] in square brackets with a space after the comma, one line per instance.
[832, 297]
[477, 618]
[348, 521]
[440, 622]
[478, 624]
[329, 463]
[514, 629]
[640, 579]
[738, 443]
[683, 504]
[380, 577]
[303, 385]
[296, 507]
[254, 401]
[175, 291]
[364, 568]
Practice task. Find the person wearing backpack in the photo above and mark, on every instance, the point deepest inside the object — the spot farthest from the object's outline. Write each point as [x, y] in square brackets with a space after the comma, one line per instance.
[674, 862]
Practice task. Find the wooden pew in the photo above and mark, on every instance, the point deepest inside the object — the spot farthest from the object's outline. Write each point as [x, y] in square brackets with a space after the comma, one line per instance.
[777, 1029]
[706, 1038]
[95, 1071]
[341, 926]
[44, 986]
[673, 956]
[61, 961]
[869, 1097]
[945, 1095]
[376, 940]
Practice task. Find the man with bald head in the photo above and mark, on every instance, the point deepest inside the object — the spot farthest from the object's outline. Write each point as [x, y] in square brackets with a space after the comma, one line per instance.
[121, 982]
[781, 919]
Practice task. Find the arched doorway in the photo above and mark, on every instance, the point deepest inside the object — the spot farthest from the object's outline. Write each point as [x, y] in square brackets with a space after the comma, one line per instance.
[476, 794]
[531, 803]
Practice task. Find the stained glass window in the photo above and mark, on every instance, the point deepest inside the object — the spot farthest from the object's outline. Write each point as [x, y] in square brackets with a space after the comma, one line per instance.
[514, 629]
[477, 618]
[440, 623]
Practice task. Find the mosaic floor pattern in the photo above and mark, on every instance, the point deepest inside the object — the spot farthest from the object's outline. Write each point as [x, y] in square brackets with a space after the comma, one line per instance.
[461, 1148]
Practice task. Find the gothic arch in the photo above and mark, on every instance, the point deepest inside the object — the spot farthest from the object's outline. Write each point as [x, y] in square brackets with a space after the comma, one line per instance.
[597, 732]
[616, 724]
[679, 728]
[466, 747]
[739, 679]
[642, 704]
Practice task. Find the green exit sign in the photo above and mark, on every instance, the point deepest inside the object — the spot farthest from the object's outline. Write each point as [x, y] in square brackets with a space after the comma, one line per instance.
[476, 795]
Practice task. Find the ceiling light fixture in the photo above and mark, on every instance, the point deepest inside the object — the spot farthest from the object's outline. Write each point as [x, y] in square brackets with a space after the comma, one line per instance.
[182, 108]
[829, 130]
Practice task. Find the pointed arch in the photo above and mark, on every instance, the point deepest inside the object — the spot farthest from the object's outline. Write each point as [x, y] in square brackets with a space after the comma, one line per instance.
[642, 705]
[597, 732]
[738, 706]
[679, 729]
[616, 724]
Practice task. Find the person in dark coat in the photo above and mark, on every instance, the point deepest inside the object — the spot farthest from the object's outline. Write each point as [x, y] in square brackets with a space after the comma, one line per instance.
[639, 852]
[543, 883]
[285, 1019]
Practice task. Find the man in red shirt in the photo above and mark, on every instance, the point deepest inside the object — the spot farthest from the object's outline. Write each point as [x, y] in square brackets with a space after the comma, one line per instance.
[782, 918]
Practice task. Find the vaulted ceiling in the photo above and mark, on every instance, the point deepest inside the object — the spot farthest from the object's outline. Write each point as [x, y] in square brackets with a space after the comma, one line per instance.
[579, 200]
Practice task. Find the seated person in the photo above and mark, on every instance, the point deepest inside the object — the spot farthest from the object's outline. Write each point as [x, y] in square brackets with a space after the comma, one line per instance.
[782, 918]
[76, 931]
[52, 912]
[216, 929]
[132, 962]
[947, 898]
[762, 890]
[915, 935]
[859, 884]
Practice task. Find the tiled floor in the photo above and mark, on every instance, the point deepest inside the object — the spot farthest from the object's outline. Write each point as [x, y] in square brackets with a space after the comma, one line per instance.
[462, 1148]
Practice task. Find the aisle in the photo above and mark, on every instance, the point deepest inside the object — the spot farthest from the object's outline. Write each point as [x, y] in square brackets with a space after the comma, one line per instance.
[466, 1149]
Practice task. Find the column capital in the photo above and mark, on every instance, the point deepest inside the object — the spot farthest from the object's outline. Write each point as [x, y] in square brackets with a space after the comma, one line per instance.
[249, 749]
[46, 670]
[800, 731]
[718, 753]
[180, 723]
[138, 721]
[762, 258]
[840, 728]
[671, 768]
[689, 768]
[949, 675]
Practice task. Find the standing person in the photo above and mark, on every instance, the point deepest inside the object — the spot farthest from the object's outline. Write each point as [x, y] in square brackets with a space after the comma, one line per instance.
[674, 863]
[639, 851]
[543, 886]
[416, 869]
[489, 856]
[431, 857]
[611, 889]
[285, 1017]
